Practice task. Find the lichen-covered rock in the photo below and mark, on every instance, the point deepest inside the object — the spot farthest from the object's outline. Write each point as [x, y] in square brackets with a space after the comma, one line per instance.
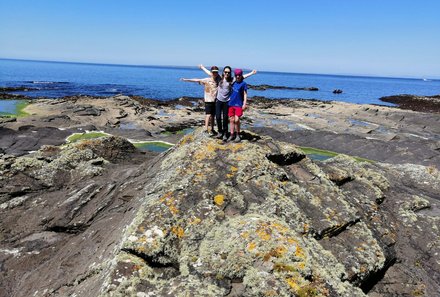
[259, 218]
[256, 218]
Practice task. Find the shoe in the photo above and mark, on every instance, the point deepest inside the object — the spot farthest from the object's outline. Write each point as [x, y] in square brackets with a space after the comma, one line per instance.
[220, 136]
[213, 133]
[237, 138]
[225, 137]
[231, 138]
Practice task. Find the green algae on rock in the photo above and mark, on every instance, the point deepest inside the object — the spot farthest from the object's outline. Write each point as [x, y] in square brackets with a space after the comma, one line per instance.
[155, 146]
[13, 108]
[86, 135]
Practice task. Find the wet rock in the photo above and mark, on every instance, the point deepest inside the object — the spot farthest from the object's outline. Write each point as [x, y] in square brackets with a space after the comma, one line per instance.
[30, 138]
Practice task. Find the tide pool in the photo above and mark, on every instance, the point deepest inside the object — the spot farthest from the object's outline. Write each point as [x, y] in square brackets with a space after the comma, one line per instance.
[13, 108]
[153, 146]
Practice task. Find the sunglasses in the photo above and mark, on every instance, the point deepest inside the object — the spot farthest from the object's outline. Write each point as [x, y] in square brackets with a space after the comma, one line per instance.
[227, 72]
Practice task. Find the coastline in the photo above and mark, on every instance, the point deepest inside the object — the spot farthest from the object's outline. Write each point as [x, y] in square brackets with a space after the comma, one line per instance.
[58, 199]
[393, 131]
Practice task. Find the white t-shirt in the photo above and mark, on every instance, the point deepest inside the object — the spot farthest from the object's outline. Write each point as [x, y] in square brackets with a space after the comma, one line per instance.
[210, 88]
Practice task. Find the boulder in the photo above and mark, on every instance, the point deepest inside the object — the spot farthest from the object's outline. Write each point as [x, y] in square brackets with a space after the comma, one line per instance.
[207, 218]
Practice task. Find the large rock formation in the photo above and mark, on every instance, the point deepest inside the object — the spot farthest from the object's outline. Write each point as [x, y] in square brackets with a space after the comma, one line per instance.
[257, 218]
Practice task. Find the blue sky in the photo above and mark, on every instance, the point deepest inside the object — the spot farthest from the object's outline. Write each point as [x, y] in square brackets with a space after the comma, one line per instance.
[385, 38]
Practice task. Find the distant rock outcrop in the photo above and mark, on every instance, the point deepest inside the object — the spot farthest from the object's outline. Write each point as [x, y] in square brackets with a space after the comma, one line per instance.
[416, 103]
[256, 218]
[269, 87]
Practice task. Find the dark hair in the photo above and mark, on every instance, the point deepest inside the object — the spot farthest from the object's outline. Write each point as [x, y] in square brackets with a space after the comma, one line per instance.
[214, 68]
[228, 79]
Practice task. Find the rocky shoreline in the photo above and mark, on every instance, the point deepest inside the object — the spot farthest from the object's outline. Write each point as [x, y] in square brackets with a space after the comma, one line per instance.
[376, 132]
[208, 218]
[416, 103]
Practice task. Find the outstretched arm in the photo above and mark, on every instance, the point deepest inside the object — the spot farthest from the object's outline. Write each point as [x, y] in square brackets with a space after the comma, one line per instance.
[250, 73]
[197, 80]
[205, 70]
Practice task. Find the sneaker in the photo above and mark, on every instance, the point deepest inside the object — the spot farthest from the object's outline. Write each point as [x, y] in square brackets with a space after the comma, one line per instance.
[231, 138]
[220, 136]
[225, 137]
[237, 138]
[213, 133]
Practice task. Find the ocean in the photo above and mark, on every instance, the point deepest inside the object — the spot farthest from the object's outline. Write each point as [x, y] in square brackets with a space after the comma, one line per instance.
[58, 79]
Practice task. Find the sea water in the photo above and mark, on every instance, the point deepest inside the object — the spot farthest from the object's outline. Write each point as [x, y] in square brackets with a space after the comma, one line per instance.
[58, 79]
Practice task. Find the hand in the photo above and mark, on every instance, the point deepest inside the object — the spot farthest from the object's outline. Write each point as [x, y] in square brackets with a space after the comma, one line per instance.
[201, 66]
[254, 71]
[244, 107]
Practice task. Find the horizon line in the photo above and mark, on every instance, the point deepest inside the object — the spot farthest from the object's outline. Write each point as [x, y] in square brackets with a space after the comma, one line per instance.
[195, 67]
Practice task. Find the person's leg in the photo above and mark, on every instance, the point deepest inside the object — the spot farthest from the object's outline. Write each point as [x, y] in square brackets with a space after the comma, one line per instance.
[218, 116]
[225, 116]
[231, 114]
[211, 122]
[232, 124]
[237, 124]
[206, 122]
[237, 129]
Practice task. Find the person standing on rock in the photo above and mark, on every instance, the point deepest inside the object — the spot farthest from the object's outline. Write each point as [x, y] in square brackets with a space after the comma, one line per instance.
[237, 104]
[210, 84]
[223, 96]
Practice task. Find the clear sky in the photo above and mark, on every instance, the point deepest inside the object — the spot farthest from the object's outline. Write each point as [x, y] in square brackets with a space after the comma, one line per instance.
[374, 37]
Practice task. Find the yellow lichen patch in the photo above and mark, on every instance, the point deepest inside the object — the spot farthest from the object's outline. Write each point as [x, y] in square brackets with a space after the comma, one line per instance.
[251, 246]
[213, 146]
[292, 282]
[208, 151]
[280, 251]
[201, 155]
[169, 201]
[299, 252]
[291, 240]
[431, 170]
[219, 200]
[199, 176]
[245, 235]
[306, 227]
[235, 147]
[178, 231]
[263, 233]
[277, 252]
[280, 228]
[186, 139]
[194, 221]
[232, 173]
[141, 249]
[281, 267]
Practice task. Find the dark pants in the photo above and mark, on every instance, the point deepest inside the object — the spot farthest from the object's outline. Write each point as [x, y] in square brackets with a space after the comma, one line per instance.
[221, 109]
